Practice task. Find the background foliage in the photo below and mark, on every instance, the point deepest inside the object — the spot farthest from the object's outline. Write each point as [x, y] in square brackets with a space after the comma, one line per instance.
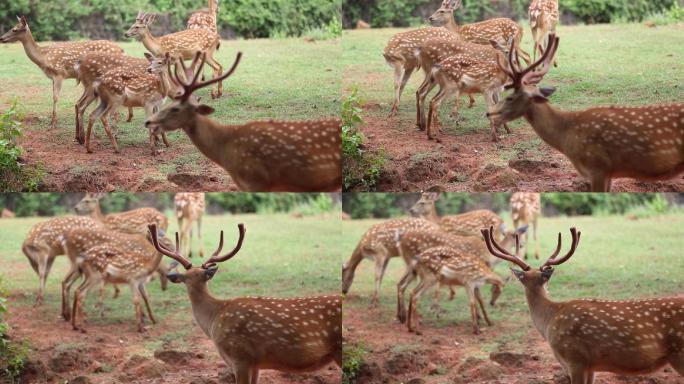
[384, 205]
[403, 13]
[104, 19]
[49, 204]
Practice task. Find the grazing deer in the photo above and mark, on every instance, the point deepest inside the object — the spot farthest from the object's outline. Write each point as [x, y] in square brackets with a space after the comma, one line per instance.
[264, 156]
[587, 336]
[189, 208]
[253, 333]
[180, 45]
[464, 224]
[399, 52]
[42, 244]
[644, 143]
[379, 244]
[56, 60]
[525, 209]
[543, 20]
[133, 221]
[205, 18]
[113, 258]
[412, 243]
[447, 266]
[458, 67]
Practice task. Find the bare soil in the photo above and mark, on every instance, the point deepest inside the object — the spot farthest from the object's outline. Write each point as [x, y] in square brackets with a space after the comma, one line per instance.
[472, 162]
[118, 354]
[454, 355]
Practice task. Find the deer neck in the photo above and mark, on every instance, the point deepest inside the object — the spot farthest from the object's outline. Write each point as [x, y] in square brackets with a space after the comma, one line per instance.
[166, 87]
[432, 215]
[542, 309]
[97, 214]
[210, 137]
[205, 307]
[551, 125]
[151, 43]
[451, 24]
[32, 49]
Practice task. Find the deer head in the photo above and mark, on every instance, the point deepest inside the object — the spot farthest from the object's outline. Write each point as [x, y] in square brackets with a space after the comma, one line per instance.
[183, 112]
[525, 84]
[89, 204]
[195, 276]
[531, 278]
[425, 206]
[17, 32]
[141, 25]
[445, 12]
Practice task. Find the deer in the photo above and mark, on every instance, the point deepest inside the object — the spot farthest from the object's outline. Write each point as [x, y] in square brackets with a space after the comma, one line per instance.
[464, 224]
[205, 18]
[525, 209]
[180, 45]
[399, 52]
[189, 208]
[459, 67]
[42, 245]
[447, 266]
[543, 15]
[644, 143]
[412, 243]
[586, 336]
[261, 156]
[56, 60]
[379, 244]
[253, 333]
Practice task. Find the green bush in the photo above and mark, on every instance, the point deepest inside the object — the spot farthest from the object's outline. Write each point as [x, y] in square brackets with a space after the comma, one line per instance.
[352, 360]
[15, 176]
[13, 354]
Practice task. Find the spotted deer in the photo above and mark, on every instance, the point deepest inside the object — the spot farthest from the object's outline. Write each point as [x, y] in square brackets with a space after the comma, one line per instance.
[253, 333]
[399, 52]
[447, 266]
[525, 209]
[132, 221]
[180, 45]
[205, 18]
[459, 67]
[464, 224]
[56, 60]
[189, 208]
[643, 143]
[412, 243]
[42, 244]
[260, 156]
[629, 337]
[379, 244]
[543, 16]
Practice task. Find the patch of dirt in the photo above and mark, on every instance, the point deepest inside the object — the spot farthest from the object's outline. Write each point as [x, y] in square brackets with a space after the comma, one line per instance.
[117, 353]
[452, 354]
[70, 169]
[472, 162]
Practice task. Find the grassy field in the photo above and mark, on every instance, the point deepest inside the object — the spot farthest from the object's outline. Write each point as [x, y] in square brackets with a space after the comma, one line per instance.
[280, 258]
[277, 79]
[616, 259]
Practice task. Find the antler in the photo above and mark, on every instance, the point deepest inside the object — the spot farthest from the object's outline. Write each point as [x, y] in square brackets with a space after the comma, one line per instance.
[502, 253]
[165, 251]
[189, 88]
[215, 258]
[575, 242]
[529, 75]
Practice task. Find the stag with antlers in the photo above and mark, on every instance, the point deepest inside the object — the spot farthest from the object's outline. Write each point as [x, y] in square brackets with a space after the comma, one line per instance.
[264, 156]
[588, 336]
[643, 143]
[254, 333]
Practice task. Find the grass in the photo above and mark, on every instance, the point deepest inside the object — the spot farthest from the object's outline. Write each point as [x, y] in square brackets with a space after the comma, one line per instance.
[626, 64]
[280, 258]
[614, 260]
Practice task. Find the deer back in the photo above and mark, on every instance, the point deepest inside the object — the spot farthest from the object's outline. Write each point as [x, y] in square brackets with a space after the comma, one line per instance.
[94, 65]
[546, 9]
[189, 204]
[454, 267]
[474, 69]
[47, 235]
[500, 30]
[402, 46]
[470, 223]
[186, 43]
[293, 334]
[525, 206]
[62, 57]
[384, 235]
[136, 220]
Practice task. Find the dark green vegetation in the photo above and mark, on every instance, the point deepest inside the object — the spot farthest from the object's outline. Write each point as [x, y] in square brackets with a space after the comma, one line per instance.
[402, 13]
[63, 20]
[14, 176]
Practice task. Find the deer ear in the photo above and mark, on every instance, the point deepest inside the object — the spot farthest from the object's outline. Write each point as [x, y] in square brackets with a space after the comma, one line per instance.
[149, 57]
[210, 272]
[175, 277]
[547, 91]
[522, 229]
[518, 273]
[204, 109]
[546, 274]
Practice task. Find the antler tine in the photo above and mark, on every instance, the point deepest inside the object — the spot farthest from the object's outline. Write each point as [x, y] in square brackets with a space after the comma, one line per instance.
[553, 41]
[216, 80]
[220, 246]
[192, 85]
[575, 242]
[535, 77]
[218, 259]
[517, 244]
[491, 244]
[165, 251]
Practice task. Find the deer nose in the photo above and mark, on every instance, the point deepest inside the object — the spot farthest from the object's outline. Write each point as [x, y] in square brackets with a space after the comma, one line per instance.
[148, 123]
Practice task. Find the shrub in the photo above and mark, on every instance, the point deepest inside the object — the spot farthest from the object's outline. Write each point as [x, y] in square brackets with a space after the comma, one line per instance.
[352, 359]
[15, 176]
[13, 355]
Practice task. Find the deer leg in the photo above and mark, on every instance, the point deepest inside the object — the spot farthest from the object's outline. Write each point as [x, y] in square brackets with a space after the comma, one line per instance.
[406, 279]
[91, 120]
[243, 373]
[42, 277]
[423, 285]
[473, 309]
[398, 73]
[84, 101]
[79, 297]
[130, 115]
[421, 94]
[218, 71]
[490, 99]
[138, 309]
[163, 280]
[435, 307]
[408, 71]
[143, 293]
[580, 375]
[108, 129]
[255, 375]
[199, 235]
[432, 125]
[536, 243]
[100, 300]
[381, 262]
[56, 89]
[600, 183]
[478, 296]
[68, 281]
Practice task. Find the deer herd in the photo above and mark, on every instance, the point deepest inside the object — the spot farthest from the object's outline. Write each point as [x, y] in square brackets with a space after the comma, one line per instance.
[644, 143]
[260, 156]
[251, 333]
[586, 336]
